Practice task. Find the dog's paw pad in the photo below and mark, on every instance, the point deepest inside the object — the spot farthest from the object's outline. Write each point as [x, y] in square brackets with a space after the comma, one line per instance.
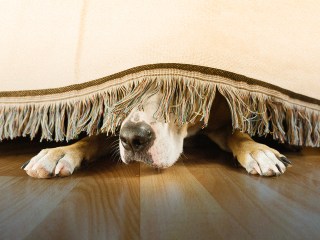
[52, 162]
[254, 168]
[262, 160]
[63, 169]
[39, 172]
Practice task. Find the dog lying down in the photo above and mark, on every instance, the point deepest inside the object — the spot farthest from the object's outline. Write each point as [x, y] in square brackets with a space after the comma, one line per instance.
[159, 144]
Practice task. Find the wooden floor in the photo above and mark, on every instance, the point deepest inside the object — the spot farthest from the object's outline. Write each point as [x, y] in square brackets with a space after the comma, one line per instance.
[204, 196]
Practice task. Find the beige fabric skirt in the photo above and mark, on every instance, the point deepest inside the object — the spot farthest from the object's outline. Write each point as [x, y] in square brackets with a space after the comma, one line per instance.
[263, 57]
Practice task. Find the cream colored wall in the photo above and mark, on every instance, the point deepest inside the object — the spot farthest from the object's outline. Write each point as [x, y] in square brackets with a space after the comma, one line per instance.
[45, 44]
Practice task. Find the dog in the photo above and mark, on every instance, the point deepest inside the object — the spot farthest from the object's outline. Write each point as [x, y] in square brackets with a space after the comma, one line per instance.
[159, 144]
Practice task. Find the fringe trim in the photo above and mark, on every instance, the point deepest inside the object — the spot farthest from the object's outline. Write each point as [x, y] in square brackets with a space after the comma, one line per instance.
[189, 99]
[260, 114]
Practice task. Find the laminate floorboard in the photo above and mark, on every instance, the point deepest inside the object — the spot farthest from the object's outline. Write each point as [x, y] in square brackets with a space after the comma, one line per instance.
[203, 196]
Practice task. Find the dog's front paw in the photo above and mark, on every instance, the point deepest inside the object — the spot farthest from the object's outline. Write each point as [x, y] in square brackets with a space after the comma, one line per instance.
[260, 159]
[60, 161]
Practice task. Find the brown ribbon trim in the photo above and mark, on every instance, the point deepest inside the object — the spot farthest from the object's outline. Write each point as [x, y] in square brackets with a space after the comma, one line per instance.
[186, 67]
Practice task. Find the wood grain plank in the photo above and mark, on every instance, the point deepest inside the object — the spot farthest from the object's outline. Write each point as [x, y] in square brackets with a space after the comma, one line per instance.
[174, 205]
[25, 202]
[268, 208]
[103, 205]
[202, 197]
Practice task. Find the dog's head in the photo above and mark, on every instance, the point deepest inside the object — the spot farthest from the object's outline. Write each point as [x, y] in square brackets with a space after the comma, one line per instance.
[145, 139]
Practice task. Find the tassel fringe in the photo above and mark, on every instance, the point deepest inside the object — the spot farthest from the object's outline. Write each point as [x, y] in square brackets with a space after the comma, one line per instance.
[187, 98]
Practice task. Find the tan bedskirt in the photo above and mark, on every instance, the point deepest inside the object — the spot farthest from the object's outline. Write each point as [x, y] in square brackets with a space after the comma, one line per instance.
[263, 57]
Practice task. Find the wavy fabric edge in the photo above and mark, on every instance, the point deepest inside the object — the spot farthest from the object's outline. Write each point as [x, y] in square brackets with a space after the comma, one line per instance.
[187, 91]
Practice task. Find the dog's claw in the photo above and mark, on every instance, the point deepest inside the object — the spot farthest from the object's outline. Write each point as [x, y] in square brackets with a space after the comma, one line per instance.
[279, 169]
[25, 164]
[285, 161]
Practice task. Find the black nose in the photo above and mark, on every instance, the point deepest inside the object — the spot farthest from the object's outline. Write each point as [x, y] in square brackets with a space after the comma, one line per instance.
[136, 136]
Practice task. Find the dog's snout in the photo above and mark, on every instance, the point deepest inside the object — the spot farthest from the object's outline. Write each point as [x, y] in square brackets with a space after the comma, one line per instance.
[136, 136]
